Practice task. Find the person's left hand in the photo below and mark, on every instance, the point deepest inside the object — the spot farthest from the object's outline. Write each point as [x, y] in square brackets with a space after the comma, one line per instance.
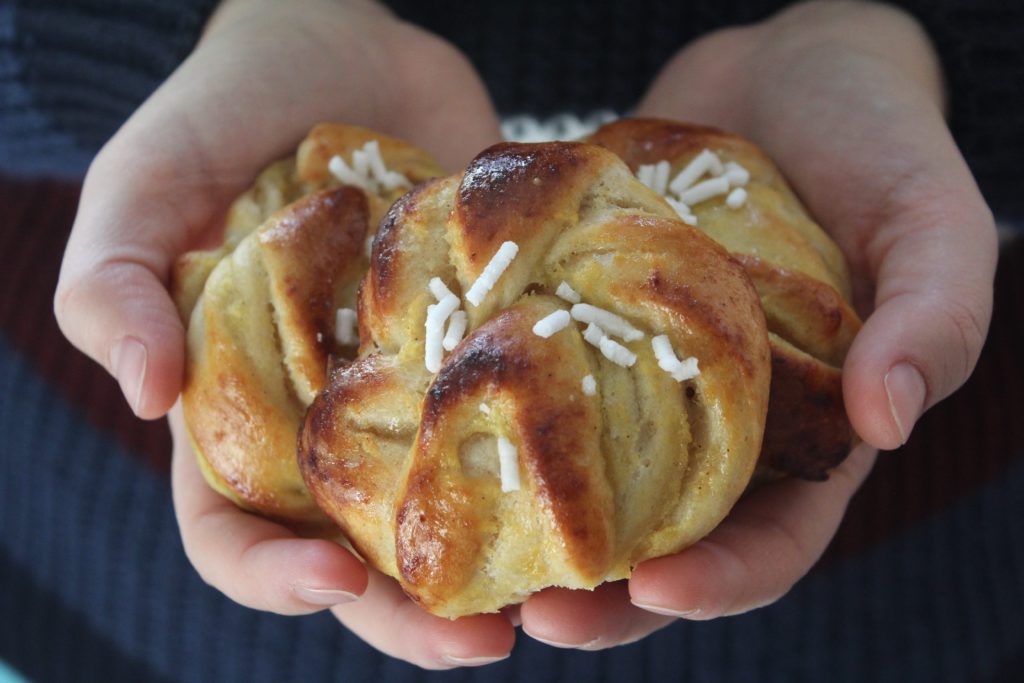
[847, 98]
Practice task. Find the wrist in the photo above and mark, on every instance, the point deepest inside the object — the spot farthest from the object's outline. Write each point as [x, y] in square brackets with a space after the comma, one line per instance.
[853, 29]
[736, 77]
[231, 12]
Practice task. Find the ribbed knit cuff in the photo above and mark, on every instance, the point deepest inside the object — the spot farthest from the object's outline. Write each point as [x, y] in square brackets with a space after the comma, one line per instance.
[544, 58]
[72, 71]
[982, 54]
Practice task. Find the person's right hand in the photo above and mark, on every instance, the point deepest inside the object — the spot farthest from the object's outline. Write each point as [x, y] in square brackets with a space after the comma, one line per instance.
[264, 73]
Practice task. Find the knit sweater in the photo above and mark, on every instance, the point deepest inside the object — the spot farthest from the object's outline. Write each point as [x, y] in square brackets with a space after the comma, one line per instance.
[72, 71]
[924, 581]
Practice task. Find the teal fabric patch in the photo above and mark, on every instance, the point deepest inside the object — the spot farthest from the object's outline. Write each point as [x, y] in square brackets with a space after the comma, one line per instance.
[9, 675]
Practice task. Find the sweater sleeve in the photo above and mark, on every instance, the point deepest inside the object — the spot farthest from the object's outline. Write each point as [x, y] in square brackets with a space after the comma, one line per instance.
[72, 71]
[542, 58]
[981, 46]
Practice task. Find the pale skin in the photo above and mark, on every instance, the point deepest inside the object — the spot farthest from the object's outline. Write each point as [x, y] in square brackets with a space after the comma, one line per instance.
[846, 97]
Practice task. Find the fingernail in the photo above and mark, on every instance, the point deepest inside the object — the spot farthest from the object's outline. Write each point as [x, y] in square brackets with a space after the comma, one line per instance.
[323, 596]
[128, 362]
[513, 614]
[906, 391]
[472, 661]
[558, 643]
[682, 614]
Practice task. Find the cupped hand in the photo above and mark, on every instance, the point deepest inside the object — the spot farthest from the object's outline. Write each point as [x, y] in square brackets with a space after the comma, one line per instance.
[262, 75]
[260, 78]
[847, 98]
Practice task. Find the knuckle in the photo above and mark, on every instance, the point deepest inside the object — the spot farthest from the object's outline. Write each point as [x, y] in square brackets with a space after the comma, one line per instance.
[69, 298]
[968, 329]
[850, 474]
[197, 559]
[735, 588]
[76, 295]
[790, 556]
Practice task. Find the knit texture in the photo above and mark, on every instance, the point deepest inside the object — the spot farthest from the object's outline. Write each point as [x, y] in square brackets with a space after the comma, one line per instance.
[72, 71]
[577, 56]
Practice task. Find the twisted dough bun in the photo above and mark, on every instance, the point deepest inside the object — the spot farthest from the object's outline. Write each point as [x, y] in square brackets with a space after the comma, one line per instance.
[800, 275]
[406, 462]
[260, 315]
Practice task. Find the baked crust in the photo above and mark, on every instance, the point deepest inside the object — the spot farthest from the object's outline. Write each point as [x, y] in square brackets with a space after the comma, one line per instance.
[800, 275]
[260, 313]
[406, 461]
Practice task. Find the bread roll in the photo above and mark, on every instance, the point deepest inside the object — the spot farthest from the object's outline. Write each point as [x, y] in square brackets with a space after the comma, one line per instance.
[800, 275]
[260, 313]
[500, 475]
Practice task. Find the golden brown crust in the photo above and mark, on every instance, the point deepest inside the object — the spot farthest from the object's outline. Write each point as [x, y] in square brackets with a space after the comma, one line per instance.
[290, 179]
[507, 189]
[258, 342]
[402, 258]
[805, 433]
[260, 314]
[784, 228]
[808, 313]
[326, 140]
[801, 278]
[406, 462]
[558, 448]
[310, 251]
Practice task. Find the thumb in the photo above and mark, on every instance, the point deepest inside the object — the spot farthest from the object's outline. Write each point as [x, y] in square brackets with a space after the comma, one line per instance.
[136, 213]
[934, 261]
[166, 177]
[155, 188]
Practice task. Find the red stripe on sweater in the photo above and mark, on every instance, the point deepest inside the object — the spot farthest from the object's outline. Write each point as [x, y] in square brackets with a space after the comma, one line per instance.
[34, 224]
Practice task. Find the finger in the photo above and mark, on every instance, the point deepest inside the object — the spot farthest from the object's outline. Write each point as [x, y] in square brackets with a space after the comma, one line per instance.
[168, 175]
[119, 314]
[588, 620]
[160, 183]
[148, 196]
[254, 561]
[388, 620]
[445, 106]
[766, 544]
[934, 261]
[142, 204]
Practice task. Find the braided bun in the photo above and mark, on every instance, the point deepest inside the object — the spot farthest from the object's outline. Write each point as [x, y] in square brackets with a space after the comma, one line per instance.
[412, 464]
[620, 360]
[800, 275]
[260, 313]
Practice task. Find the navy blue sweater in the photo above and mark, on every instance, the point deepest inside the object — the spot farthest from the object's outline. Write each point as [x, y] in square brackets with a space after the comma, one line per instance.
[71, 71]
